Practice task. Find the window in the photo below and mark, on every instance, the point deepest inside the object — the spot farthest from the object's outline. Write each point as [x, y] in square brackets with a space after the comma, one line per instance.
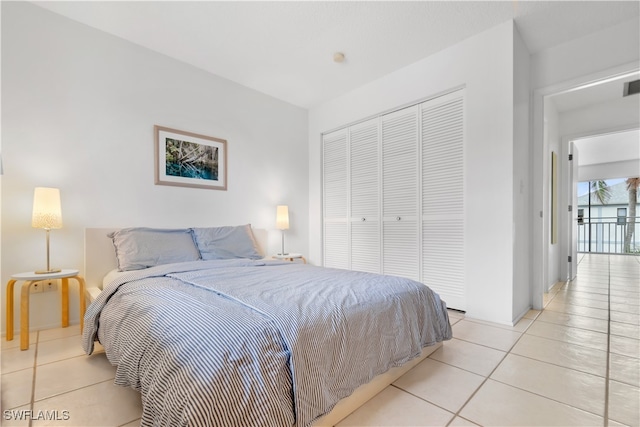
[622, 216]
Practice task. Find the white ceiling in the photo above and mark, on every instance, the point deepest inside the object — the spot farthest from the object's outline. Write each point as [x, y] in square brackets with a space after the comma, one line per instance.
[285, 49]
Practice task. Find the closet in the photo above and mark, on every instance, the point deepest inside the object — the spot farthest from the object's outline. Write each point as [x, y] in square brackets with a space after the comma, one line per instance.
[393, 196]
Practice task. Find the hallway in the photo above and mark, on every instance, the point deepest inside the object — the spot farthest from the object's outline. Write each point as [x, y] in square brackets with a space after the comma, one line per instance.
[600, 310]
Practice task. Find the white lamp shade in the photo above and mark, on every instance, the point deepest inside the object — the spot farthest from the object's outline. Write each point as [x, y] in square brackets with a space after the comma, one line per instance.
[282, 217]
[47, 212]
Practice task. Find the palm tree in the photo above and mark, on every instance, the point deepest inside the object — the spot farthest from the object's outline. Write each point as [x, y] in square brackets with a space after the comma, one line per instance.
[601, 190]
[632, 186]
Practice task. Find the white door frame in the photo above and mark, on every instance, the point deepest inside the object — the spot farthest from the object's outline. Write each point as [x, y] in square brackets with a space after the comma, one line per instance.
[540, 167]
[565, 194]
[572, 234]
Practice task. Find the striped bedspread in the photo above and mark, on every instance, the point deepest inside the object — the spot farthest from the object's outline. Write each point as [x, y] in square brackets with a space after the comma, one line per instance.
[239, 342]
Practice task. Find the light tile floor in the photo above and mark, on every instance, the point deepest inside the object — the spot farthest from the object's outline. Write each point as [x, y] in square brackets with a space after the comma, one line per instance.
[577, 363]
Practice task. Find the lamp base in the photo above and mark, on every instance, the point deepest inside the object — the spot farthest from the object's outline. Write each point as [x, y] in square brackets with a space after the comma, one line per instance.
[53, 270]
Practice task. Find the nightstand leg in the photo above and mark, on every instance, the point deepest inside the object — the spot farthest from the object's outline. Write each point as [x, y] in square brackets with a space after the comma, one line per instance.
[10, 309]
[24, 314]
[65, 302]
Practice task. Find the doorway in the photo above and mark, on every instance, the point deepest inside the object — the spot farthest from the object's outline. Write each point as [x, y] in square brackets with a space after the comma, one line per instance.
[602, 219]
[564, 113]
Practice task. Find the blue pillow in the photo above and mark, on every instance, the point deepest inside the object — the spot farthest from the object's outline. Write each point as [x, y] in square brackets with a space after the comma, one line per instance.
[138, 248]
[226, 242]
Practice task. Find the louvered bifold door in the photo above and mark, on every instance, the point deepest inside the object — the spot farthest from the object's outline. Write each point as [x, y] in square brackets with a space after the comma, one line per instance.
[443, 198]
[400, 233]
[365, 193]
[335, 188]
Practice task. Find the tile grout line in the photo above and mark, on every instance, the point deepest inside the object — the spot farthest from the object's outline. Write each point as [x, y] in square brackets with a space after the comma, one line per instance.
[606, 372]
[424, 400]
[605, 417]
[33, 379]
[582, 328]
[548, 398]
[606, 383]
[457, 413]
[559, 366]
[76, 389]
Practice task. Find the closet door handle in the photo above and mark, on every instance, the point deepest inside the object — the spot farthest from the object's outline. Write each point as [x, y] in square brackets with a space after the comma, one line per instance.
[363, 219]
[398, 218]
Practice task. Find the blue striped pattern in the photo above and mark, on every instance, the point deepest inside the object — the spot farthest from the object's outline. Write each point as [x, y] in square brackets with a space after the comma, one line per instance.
[252, 343]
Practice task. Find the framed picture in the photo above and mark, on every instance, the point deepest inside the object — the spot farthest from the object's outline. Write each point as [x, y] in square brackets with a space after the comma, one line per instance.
[187, 159]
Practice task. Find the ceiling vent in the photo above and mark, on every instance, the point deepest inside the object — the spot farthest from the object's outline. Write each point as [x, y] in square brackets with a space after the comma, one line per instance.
[632, 88]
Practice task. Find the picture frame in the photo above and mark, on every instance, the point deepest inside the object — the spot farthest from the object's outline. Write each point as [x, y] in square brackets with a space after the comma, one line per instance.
[187, 159]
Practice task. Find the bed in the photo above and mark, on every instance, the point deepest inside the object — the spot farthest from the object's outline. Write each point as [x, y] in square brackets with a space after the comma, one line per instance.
[220, 335]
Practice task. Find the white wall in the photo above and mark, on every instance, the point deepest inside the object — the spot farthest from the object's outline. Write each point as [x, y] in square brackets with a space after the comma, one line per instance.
[611, 170]
[618, 115]
[78, 109]
[587, 55]
[521, 179]
[484, 65]
[552, 144]
[613, 51]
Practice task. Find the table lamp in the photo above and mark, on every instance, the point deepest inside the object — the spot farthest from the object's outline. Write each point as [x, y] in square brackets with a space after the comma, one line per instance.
[47, 214]
[282, 222]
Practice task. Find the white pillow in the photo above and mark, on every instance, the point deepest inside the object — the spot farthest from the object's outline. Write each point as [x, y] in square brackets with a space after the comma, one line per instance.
[226, 242]
[138, 248]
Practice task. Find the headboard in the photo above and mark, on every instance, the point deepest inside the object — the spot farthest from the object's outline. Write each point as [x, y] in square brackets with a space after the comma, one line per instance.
[100, 255]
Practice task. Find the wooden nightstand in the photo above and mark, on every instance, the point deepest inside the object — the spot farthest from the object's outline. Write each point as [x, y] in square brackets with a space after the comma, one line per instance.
[291, 257]
[29, 279]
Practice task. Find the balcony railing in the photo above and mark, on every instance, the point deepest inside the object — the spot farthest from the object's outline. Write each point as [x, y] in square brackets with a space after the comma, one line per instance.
[606, 235]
